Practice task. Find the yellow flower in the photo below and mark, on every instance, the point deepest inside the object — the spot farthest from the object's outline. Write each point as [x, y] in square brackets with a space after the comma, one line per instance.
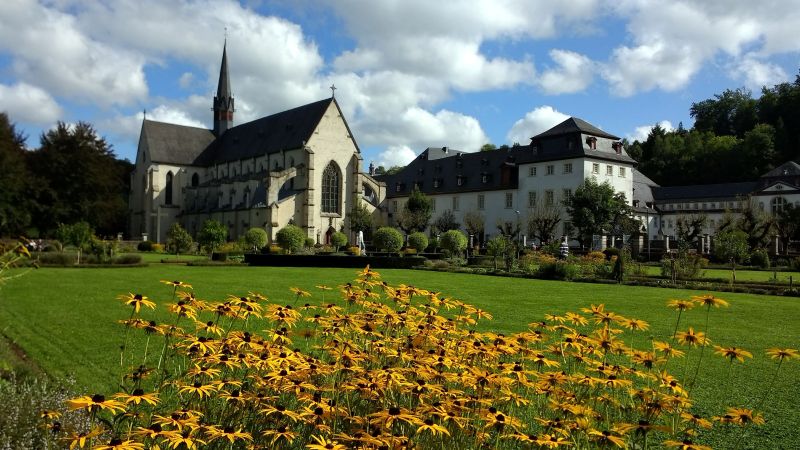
[686, 444]
[199, 389]
[137, 301]
[680, 305]
[733, 353]
[692, 338]
[119, 444]
[744, 416]
[228, 433]
[95, 403]
[606, 438]
[709, 300]
[322, 443]
[137, 396]
[299, 292]
[177, 284]
[783, 353]
[433, 428]
[79, 440]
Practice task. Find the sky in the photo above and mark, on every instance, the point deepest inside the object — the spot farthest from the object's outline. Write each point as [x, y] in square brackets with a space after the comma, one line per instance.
[409, 74]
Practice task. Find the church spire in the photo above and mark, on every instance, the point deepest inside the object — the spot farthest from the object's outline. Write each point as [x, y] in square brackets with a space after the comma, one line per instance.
[223, 101]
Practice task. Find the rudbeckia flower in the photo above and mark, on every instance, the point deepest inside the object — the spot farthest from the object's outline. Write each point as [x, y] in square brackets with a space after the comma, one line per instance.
[137, 301]
[733, 353]
[95, 403]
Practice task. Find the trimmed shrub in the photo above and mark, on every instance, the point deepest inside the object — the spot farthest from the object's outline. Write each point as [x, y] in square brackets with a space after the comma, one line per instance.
[794, 264]
[454, 242]
[387, 239]
[158, 248]
[127, 259]
[338, 240]
[418, 241]
[559, 270]
[309, 242]
[212, 235]
[760, 258]
[291, 238]
[145, 246]
[255, 239]
[610, 252]
[178, 240]
[58, 259]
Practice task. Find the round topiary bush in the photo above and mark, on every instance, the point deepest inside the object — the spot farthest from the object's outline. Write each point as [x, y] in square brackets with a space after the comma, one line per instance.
[388, 239]
[418, 241]
[310, 242]
[760, 258]
[291, 238]
[454, 242]
[255, 239]
[338, 240]
[145, 246]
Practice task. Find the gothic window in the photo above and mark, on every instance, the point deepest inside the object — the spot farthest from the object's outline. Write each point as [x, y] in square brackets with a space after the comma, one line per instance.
[195, 180]
[330, 189]
[168, 190]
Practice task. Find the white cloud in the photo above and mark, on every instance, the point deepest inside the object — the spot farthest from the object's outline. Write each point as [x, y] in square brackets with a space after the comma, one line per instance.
[395, 155]
[640, 133]
[186, 80]
[757, 74]
[540, 119]
[26, 103]
[574, 73]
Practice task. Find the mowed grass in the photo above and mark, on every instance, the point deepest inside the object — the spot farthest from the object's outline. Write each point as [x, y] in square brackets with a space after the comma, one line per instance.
[66, 321]
[742, 275]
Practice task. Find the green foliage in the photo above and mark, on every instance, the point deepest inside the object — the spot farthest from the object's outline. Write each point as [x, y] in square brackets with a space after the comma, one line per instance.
[145, 246]
[212, 235]
[338, 240]
[178, 240]
[453, 242]
[309, 242]
[78, 234]
[446, 222]
[416, 213]
[760, 258]
[387, 239]
[730, 246]
[418, 241]
[475, 224]
[291, 238]
[15, 181]
[255, 239]
[559, 270]
[498, 247]
[359, 218]
[594, 208]
[787, 225]
[683, 265]
[488, 147]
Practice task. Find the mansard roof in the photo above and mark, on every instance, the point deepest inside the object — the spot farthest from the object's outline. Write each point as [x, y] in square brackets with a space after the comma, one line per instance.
[575, 125]
[787, 169]
[701, 191]
[176, 144]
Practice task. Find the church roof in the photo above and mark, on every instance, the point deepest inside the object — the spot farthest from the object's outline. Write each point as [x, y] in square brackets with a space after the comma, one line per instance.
[575, 125]
[282, 131]
[790, 169]
[723, 190]
[176, 144]
[224, 84]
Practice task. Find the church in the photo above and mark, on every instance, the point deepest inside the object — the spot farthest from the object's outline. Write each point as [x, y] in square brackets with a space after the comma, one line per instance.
[301, 166]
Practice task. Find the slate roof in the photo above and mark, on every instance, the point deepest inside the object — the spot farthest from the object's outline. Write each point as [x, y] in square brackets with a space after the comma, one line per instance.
[176, 144]
[179, 144]
[700, 191]
[790, 169]
[575, 125]
[642, 188]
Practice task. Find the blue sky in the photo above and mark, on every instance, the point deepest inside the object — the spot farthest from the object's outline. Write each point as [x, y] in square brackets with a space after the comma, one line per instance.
[410, 74]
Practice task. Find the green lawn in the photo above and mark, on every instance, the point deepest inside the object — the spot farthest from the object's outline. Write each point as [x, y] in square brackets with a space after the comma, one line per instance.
[741, 275]
[150, 257]
[65, 320]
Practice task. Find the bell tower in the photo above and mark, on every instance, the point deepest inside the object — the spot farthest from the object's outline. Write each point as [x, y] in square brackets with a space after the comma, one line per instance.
[223, 101]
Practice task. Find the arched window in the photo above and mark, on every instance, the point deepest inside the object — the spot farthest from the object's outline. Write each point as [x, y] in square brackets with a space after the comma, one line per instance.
[330, 189]
[778, 204]
[168, 190]
[195, 180]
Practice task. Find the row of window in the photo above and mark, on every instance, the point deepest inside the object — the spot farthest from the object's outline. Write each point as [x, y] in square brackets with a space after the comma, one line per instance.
[698, 206]
[622, 173]
[550, 169]
[549, 200]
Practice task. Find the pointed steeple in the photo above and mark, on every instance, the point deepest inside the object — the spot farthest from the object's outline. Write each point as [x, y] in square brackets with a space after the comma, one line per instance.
[223, 101]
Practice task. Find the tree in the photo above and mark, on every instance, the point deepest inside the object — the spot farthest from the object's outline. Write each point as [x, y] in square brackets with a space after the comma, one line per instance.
[78, 234]
[80, 179]
[388, 239]
[542, 222]
[394, 169]
[212, 235]
[255, 238]
[488, 147]
[416, 213]
[446, 222]
[338, 240]
[688, 228]
[15, 181]
[360, 218]
[453, 242]
[755, 223]
[291, 238]
[787, 225]
[418, 241]
[731, 246]
[475, 223]
[178, 240]
[510, 232]
[731, 113]
[593, 209]
[498, 247]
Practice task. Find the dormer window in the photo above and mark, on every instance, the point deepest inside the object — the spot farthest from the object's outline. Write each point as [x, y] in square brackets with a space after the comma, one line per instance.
[437, 182]
[592, 142]
[617, 146]
[397, 187]
[484, 178]
[460, 180]
[535, 149]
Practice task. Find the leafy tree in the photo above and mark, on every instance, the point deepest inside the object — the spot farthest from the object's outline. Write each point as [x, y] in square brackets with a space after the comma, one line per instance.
[291, 238]
[593, 209]
[178, 239]
[416, 213]
[78, 234]
[755, 223]
[446, 222]
[360, 218]
[488, 147]
[80, 179]
[510, 231]
[15, 181]
[338, 240]
[255, 238]
[475, 223]
[212, 235]
[733, 113]
[689, 228]
[418, 241]
[499, 247]
[388, 239]
[453, 242]
[543, 221]
[787, 225]
[394, 170]
[731, 246]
